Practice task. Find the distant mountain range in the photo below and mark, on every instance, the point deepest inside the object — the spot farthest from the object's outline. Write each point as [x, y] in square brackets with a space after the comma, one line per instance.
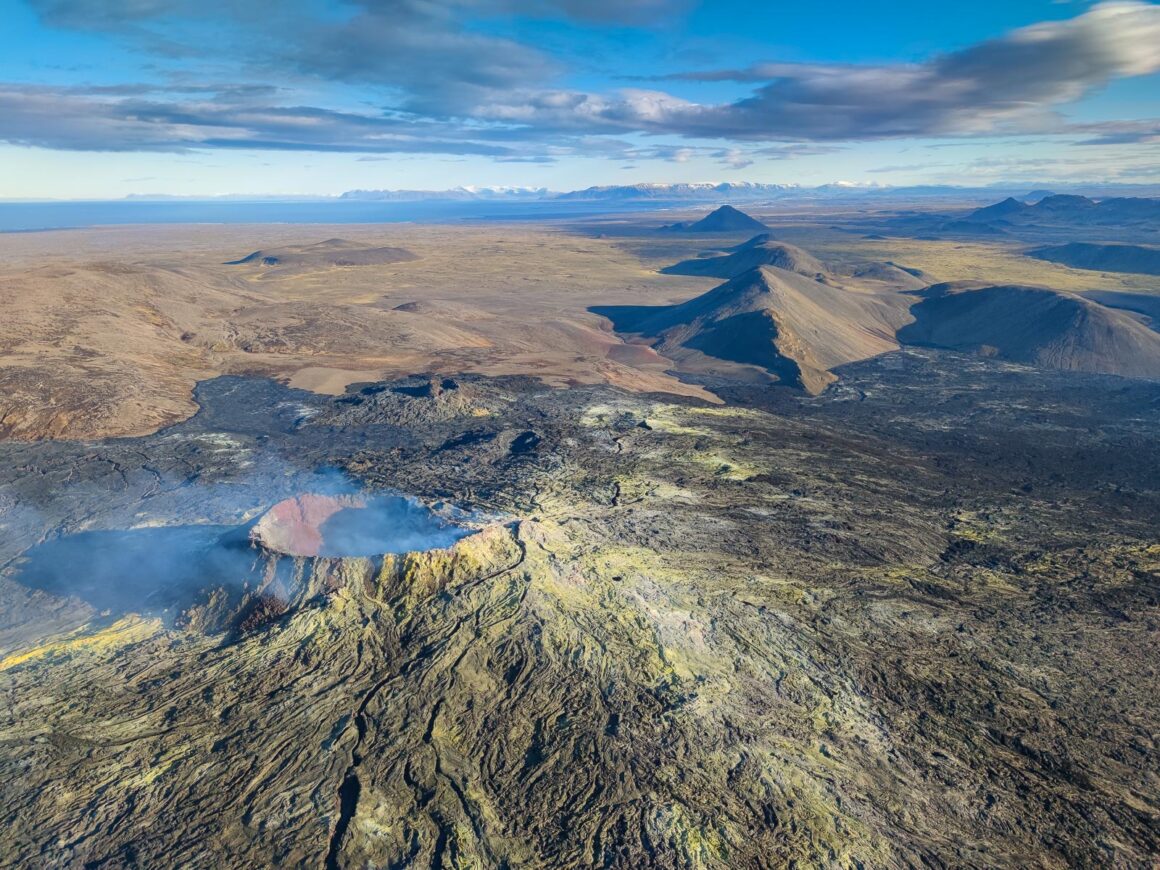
[725, 192]
[744, 190]
[693, 192]
[690, 192]
[457, 194]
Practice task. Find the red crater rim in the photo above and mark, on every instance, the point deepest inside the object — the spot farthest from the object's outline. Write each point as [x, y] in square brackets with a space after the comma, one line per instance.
[294, 526]
[353, 525]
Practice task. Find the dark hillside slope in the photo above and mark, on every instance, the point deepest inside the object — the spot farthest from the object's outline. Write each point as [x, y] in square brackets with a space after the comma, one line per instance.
[1036, 326]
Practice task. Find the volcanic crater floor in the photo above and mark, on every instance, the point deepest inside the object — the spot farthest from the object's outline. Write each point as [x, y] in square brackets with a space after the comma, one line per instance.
[912, 621]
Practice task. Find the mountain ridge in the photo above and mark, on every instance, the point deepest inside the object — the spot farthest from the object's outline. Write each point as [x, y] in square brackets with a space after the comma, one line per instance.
[793, 327]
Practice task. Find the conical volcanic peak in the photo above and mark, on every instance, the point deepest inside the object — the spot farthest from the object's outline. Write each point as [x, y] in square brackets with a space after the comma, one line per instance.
[752, 255]
[725, 219]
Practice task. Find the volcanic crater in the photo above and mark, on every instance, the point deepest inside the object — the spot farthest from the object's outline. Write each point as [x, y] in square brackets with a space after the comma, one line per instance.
[314, 545]
[341, 526]
[214, 578]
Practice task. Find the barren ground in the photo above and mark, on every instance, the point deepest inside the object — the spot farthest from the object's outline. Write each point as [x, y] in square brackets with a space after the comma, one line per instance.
[107, 330]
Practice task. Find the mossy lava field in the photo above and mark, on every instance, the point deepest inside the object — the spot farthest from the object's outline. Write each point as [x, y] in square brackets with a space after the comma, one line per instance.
[912, 621]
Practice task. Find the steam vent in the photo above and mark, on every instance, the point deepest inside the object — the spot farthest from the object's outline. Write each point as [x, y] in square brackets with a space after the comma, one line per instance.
[311, 546]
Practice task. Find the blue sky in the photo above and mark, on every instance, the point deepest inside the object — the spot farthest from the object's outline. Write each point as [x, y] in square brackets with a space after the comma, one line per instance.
[103, 98]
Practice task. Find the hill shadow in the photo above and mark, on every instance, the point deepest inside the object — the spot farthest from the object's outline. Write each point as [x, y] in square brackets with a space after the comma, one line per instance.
[628, 318]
